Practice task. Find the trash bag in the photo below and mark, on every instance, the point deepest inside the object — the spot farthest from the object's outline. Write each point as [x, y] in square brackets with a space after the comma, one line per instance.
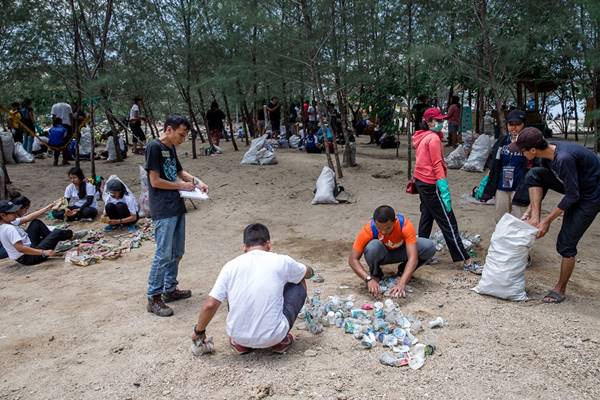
[294, 141]
[37, 144]
[325, 187]
[144, 194]
[85, 142]
[504, 270]
[479, 154]
[8, 147]
[260, 152]
[457, 158]
[21, 155]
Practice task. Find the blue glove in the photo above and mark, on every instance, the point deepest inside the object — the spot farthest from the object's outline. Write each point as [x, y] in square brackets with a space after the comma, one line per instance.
[442, 186]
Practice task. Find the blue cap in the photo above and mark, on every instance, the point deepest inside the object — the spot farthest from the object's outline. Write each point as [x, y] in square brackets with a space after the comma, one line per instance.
[516, 116]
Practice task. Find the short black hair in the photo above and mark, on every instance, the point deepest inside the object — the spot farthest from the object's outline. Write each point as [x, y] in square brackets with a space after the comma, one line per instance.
[384, 214]
[16, 104]
[256, 235]
[543, 145]
[175, 121]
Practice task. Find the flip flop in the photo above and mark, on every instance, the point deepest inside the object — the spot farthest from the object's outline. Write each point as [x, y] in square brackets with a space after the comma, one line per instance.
[555, 296]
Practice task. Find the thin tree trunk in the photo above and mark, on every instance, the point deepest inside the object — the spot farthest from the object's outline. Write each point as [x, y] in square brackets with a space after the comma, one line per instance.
[574, 96]
[235, 147]
[93, 141]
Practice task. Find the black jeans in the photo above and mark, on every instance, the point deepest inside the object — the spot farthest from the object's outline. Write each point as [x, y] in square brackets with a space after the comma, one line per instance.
[84, 213]
[576, 220]
[118, 211]
[432, 209]
[43, 238]
[294, 296]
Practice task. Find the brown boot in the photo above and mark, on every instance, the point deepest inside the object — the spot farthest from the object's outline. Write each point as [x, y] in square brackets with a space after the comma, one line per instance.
[158, 307]
[176, 295]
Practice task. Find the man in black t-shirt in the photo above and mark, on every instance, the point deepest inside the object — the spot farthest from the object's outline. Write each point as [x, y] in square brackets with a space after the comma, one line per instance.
[167, 177]
[274, 109]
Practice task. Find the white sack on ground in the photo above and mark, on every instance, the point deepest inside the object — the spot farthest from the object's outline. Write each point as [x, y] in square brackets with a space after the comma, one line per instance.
[325, 187]
[479, 154]
[144, 195]
[21, 155]
[85, 142]
[294, 141]
[260, 152]
[457, 158]
[8, 147]
[504, 270]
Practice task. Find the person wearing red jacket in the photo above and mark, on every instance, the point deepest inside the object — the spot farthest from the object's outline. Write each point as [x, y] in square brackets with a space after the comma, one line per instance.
[432, 184]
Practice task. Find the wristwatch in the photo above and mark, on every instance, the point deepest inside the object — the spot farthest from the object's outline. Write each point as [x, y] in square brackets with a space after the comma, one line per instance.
[368, 278]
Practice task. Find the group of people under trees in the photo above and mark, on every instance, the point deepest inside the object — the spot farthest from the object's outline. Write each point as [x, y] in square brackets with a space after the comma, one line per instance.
[265, 291]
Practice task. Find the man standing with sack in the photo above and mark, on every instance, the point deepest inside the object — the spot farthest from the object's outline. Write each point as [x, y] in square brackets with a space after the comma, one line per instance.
[574, 171]
[167, 177]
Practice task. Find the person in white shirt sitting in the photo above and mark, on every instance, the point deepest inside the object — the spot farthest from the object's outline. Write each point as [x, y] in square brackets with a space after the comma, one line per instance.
[265, 291]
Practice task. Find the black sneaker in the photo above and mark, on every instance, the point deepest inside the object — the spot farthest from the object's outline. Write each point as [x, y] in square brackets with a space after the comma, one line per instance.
[158, 307]
[176, 295]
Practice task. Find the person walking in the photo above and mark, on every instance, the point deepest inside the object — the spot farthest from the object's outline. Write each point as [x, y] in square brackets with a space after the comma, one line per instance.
[431, 182]
[167, 177]
[214, 118]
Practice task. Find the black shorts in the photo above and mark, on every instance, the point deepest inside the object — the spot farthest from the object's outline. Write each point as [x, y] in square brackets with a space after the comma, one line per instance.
[137, 132]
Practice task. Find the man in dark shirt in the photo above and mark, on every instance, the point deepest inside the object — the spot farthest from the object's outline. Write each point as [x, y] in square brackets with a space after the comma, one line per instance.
[167, 178]
[214, 118]
[274, 109]
[573, 171]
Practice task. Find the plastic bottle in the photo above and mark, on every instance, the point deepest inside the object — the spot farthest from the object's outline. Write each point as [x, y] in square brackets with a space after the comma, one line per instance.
[200, 347]
[389, 340]
[348, 326]
[391, 360]
[437, 323]
[417, 356]
[331, 318]
[399, 333]
[368, 340]
[358, 313]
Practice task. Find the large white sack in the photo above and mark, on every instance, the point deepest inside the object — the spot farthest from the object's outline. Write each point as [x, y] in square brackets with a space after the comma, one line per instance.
[266, 156]
[8, 147]
[325, 187]
[85, 142]
[144, 193]
[504, 270]
[21, 155]
[294, 141]
[457, 158]
[479, 154]
[255, 146]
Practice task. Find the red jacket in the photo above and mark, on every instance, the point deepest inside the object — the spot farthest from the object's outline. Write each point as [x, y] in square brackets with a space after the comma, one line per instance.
[430, 165]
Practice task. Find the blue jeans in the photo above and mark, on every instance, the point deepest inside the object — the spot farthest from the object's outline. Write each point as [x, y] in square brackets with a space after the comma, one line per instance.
[170, 245]
[27, 142]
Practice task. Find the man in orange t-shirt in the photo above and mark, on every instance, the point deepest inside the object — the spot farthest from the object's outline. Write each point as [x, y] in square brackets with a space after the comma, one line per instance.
[389, 238]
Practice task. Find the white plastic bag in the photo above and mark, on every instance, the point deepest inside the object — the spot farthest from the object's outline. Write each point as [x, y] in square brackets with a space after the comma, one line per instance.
[144, 194]
[325, 187]
[85, 142]
[21, 155]
[479, 154]
[8, 147]
[294, 141]
[37, 144]
[255, 145]
[504, 270]
[457, 158]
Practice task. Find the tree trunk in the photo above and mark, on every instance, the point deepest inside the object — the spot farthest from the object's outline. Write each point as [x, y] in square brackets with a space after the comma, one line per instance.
[574, 96]
[409, 94]
[235, 147]
[93, 140]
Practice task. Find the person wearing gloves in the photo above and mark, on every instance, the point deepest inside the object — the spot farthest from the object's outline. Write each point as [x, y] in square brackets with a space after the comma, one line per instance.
[432, 185]
[121, 208]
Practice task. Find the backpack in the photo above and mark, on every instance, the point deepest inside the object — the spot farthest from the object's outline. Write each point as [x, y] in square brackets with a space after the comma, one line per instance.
[311, 143]
[376, 232]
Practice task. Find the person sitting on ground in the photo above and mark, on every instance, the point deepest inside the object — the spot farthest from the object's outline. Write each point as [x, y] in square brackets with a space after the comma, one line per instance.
[574, 171]
[29, 247]
[328, 135]
[312, 143]
[57, 137]
[121, 207]
[265, 292]
[81, 196]
[389, 238]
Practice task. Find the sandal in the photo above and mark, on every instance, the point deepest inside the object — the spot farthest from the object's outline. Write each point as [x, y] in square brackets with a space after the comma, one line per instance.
[553, 297]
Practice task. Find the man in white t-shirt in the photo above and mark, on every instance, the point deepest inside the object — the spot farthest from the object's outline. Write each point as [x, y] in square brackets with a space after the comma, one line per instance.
[265, 292]
[135, 123]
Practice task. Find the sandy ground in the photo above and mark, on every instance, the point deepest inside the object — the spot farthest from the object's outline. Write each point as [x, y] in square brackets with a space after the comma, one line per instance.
[83, 333]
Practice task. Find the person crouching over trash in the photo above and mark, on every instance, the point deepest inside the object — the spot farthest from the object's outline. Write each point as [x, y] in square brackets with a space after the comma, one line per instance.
[389, 238]
[121, 207]
[265, 292]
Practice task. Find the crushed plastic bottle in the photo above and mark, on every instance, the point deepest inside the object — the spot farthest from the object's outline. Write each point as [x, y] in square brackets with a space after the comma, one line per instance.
[389, 340]
[391, 360]
[368, 340]
[437, 323]
[201, 347]
[416, 357]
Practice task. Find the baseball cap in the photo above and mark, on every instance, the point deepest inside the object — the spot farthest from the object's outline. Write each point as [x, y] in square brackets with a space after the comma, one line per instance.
[516, 116]
[528, 138]
[433, 113]
[7, 206]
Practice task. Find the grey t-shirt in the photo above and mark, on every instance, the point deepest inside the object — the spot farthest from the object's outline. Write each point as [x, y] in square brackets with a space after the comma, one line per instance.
[163, 159]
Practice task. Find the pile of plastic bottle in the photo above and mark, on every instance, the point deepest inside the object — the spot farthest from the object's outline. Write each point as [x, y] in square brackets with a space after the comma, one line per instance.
[377, 324]
[470, 241]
